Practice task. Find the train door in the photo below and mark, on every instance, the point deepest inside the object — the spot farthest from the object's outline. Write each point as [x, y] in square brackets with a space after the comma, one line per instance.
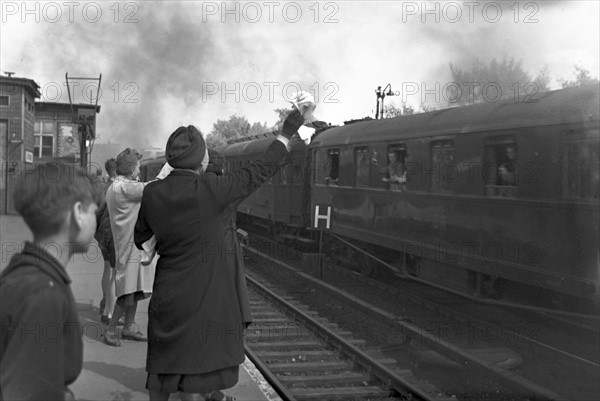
[442, 165]
[362, 166]
[3, 165]
[326, 167]
[581, 164]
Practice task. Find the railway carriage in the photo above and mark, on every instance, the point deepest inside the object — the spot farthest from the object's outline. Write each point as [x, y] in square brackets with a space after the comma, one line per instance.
[541, 230]
[455, 220]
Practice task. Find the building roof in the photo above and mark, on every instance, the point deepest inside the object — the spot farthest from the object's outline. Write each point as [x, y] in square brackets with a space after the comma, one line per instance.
[29, 84]
[65, 106]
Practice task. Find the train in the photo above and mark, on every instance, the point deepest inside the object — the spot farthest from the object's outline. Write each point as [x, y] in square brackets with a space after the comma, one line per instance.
[495, 199]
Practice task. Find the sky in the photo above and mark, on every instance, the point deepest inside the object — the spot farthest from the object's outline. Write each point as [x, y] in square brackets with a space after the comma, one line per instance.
[166, 64]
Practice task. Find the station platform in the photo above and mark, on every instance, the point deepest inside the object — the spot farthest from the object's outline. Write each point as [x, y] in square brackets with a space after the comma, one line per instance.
[114, 373]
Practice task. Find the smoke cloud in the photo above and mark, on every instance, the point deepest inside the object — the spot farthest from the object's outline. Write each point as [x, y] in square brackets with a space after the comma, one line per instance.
[166, 64]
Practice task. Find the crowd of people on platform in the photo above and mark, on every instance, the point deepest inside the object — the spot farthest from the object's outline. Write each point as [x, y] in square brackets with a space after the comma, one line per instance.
[186, 257]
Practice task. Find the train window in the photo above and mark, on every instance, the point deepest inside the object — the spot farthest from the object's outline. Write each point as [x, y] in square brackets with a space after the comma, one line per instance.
[283, 174]
[442, 165]
[143, 174]
[333, 166]
[293, 174]
[500, 168]
[394, 174]
[581, 164]
[149, 170]
[362, 161]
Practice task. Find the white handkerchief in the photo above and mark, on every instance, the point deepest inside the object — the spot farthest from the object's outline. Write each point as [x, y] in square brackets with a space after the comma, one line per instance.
[306, 133]
[164, 172]
[305, 103]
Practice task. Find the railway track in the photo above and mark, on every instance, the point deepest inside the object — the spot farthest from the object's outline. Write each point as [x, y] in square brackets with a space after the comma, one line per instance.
[519, 357]
[306, 357]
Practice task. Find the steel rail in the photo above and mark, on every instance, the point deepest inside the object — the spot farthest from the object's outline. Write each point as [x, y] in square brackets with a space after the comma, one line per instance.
[281, 390]
[375, 368]
[505, 376]
[510, 335]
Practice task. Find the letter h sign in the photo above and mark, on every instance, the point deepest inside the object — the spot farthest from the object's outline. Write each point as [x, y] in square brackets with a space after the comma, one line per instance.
[322, 217]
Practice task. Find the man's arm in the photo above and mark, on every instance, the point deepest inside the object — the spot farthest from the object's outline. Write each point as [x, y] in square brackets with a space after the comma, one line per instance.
[235, 185]
[239, 184]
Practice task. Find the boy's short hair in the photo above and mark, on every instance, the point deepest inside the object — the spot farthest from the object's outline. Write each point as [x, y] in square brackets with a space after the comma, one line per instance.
[45, 195]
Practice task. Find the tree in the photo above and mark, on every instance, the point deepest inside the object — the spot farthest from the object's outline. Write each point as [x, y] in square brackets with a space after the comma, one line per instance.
[233, 128]
[391, 111]
[494, 81]
[582, 77]
[282, 114]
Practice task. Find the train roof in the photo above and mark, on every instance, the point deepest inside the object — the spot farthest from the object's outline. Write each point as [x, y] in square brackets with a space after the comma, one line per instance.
[152, 160]
[554, 107]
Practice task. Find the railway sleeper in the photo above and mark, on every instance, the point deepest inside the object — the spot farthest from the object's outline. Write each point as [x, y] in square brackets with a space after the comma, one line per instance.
[299, 356]
[311, 367]
[298, 345]
[338, 365]
[283, 319]
[287, 326]
[264, 308]
[340, 393]
[303, 381]
[291, 336]
[349, 378]
[261, 301]
[272, 313]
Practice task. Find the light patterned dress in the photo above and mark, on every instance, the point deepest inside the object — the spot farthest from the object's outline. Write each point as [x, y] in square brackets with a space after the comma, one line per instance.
[123, 199]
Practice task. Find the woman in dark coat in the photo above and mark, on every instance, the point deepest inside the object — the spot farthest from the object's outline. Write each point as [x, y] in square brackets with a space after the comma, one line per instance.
[196, 318]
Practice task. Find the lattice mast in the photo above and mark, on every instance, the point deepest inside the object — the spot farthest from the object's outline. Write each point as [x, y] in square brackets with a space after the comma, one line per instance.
[85, 121]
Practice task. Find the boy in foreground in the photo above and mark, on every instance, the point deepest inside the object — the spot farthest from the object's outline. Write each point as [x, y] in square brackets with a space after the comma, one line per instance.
[41, 349]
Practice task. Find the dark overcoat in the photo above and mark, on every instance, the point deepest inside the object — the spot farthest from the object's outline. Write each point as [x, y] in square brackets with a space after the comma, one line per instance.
[41, 350]
[195, 315]
[232, 242]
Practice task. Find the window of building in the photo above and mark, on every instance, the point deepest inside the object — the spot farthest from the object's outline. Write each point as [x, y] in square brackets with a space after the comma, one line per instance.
[442, 165]
[43, 135]
[500, 166]
[581, 165]
[4, 100]
[362, 161]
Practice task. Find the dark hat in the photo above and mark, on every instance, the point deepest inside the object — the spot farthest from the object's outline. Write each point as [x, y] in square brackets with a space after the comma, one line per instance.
[185, 148]
[127, 160]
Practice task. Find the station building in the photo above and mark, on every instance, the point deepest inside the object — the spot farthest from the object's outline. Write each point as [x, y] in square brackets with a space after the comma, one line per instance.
[33, 132]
